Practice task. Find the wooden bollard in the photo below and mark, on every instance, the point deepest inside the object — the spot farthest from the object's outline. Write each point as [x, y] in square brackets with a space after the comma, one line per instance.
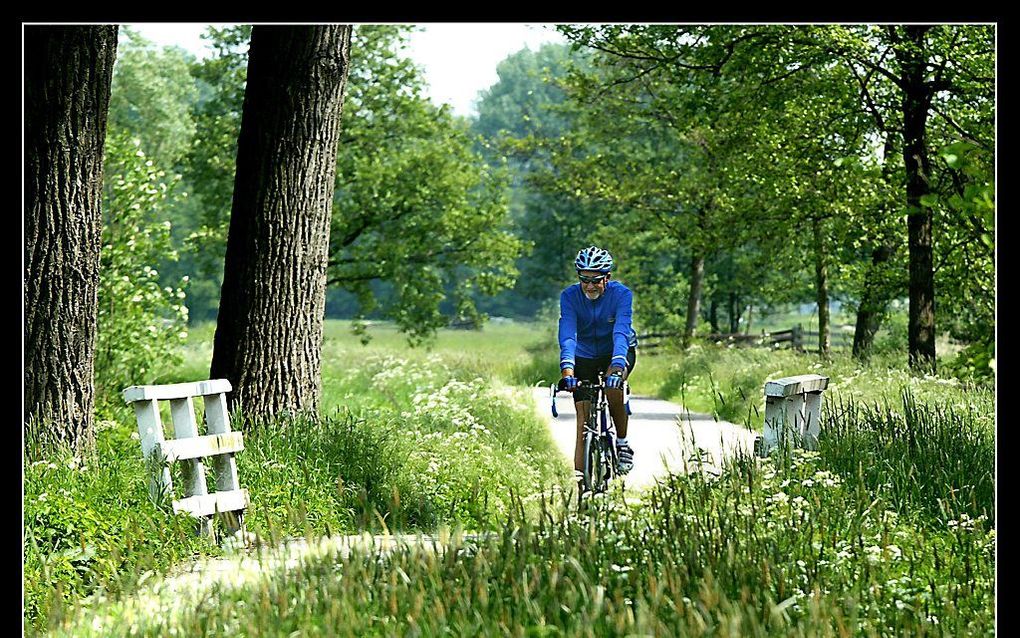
[793, 406]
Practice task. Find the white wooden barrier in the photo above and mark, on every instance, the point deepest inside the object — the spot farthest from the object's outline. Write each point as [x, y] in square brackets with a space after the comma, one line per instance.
[793, 406]
[189, 448]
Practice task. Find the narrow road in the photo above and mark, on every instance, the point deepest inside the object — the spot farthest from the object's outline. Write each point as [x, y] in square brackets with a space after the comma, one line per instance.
[665, 437]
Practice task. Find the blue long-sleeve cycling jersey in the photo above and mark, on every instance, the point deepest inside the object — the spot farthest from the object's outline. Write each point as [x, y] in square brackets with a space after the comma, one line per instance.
[599, 328]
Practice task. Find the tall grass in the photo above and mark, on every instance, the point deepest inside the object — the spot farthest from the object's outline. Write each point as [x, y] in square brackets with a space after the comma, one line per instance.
[89, 524]
[778, 548]
[728, 381]
[929, 461]
[402, 443]
[885, 531]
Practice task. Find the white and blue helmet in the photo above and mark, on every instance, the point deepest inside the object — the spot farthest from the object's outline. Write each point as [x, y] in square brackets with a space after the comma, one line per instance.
[594, 258]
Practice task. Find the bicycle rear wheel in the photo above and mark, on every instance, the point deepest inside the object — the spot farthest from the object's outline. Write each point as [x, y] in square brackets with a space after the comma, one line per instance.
[594, 463]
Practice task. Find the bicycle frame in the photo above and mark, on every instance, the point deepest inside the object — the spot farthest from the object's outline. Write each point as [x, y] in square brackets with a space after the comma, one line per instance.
[599, 431]
[600, 428]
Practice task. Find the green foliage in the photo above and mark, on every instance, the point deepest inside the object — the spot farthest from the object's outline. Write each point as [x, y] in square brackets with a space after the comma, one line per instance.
[673, 146]
[411, 194]
[894, 336]
[209, 166]
[528, 102]
[151, 97]
[89, 524]
[965, 247]
[142, 324]
[427, 215]
[976, 362]
[522, 101]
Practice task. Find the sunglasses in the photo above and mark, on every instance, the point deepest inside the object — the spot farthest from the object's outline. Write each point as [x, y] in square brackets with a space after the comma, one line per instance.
[597, 279]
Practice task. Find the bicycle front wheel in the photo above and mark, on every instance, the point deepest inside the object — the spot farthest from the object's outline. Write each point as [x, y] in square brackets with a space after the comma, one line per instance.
[594, 463]
[612, 460]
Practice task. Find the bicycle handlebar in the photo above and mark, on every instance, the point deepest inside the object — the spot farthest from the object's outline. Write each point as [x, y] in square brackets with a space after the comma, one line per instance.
[581, 383]
[556, 388]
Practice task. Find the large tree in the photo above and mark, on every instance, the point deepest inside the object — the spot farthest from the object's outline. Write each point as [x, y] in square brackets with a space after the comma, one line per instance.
[529, 102]
[927, 85]
[419, 218]
[921, 82]
[411, 194]
[68, 70]
[269, 329]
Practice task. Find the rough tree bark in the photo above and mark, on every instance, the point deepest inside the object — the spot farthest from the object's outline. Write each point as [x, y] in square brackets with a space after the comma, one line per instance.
[713, 314]
[68, 70]
[269, 331]
[736, 310]
[875, 298]
[917, 95]
[873, 303]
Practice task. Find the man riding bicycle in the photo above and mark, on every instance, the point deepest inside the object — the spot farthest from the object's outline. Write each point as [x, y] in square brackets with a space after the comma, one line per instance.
[596, 335]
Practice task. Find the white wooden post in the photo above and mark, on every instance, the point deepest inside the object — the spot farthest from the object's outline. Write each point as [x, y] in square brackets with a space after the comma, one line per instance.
[182, 412]
[793, 407]
[218, 422]
[813, 410]
[150, 433]
[188, 446]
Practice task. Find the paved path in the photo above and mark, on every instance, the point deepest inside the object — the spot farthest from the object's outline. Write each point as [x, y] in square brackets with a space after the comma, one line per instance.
[662, 434]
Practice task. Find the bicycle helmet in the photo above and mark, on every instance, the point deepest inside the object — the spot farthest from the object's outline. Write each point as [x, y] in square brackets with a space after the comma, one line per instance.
[594, 258]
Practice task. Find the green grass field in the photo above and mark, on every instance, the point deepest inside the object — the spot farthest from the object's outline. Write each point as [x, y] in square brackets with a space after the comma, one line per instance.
[886, 530]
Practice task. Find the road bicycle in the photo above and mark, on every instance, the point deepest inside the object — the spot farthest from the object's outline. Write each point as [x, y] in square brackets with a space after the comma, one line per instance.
[600, 458]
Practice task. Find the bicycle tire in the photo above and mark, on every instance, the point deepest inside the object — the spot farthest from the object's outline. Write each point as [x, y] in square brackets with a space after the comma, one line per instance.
[594, 463]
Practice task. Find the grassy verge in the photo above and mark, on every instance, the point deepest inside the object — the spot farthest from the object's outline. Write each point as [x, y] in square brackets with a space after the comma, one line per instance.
[778, 548]
[407, 440]
[728, 382]
[885, 531]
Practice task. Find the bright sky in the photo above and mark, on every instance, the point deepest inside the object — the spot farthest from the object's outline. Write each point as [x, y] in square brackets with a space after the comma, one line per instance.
[459, 59]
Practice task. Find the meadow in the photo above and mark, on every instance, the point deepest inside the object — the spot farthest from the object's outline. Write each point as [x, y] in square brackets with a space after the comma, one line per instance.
[888, 529]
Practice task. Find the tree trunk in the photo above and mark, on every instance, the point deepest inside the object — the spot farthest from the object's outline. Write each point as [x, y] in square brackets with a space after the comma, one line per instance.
[269, 331]
[68, 70]
[750, 317]
[713, 314]
[873, 304]
[734, 313]
[822, 290]
[876, 293]
[916, 101]
[694, 299]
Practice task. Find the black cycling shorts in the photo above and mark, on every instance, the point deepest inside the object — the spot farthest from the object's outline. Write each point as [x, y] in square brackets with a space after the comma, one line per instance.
[588, 370]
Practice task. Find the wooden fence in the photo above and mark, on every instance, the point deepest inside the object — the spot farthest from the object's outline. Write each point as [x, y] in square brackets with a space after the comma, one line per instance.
[796, 337]
[189, 448]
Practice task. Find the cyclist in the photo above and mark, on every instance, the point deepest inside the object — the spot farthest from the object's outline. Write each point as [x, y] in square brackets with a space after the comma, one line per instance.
[596, 335]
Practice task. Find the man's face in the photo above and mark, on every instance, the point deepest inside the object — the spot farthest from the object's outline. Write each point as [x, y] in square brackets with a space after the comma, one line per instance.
[593, 283]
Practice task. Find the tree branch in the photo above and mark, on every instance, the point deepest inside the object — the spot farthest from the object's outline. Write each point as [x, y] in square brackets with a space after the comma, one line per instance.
[959, 129]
